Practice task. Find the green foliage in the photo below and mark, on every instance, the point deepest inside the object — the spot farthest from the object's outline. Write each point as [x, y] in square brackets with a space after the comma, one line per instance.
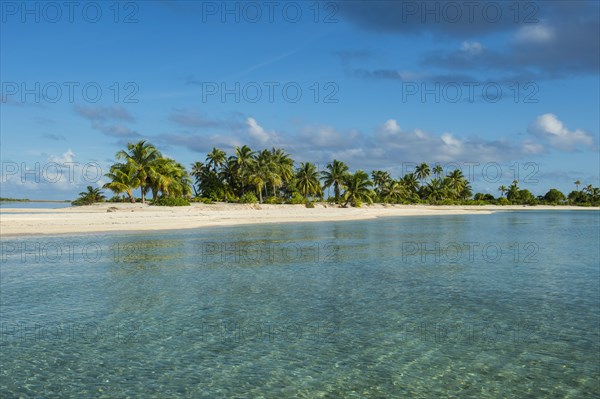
[271, 176]
[447, 201]
[118, 198]
[171, 201]
[202, 200]
[274, 200]
[554, 196]
[489, 198]
[296, 199]
[89, 197]
[248, 198]
[309, 204]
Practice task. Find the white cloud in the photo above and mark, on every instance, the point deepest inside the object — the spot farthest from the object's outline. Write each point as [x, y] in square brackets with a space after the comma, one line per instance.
[531, 147]
[258, 134]
[55, 177]
[472, 47]
[550, 128]
[538, 33]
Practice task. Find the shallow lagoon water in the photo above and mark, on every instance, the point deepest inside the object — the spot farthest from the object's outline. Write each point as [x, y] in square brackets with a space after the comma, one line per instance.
[501, 305]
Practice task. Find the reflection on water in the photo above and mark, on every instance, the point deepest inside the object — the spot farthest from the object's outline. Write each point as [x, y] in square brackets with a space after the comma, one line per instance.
[502, 305]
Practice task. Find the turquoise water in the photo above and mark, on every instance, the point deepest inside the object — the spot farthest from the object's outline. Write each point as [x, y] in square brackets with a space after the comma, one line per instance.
[34, 205]
[486, 306]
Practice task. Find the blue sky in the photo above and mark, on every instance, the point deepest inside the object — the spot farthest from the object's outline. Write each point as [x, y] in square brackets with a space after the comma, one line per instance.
[502, 90]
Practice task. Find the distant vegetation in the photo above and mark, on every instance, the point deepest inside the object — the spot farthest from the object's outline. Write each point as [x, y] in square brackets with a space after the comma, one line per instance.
[272, 177]
[14, 199]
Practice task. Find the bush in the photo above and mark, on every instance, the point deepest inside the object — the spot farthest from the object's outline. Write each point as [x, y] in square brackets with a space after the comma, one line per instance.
[203, 200]
[171, 201]
[502, 201]
[248, 198]
[297, 199]
[309, 204]
[81, 201]
[118, 198]
[274, 200]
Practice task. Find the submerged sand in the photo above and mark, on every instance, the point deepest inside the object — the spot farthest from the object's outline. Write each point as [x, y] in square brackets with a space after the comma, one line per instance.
[120, 217]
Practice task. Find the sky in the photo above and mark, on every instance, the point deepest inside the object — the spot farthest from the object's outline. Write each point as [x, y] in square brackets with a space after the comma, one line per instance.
[502, 90]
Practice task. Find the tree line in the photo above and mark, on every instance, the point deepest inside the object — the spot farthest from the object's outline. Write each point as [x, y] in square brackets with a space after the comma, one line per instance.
[271, 176]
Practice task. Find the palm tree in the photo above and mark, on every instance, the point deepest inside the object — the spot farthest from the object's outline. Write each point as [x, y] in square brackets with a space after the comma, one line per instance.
[216, 158]
[89, 196]
[455, 182]
[577, 183]
[123, 180]
[410, 183]
[307, 180]
[513, 191]
[358, 188]
[264, 171]
[438, 170]
[435, 190]
[380, 179]
[244, 162]
[334, 176]
[228, 176]
[197, 173]
[284, 166]
[169, 178]
[394, 191]
[502, 189]
[589, 189]
[141, 157]
[422, 172]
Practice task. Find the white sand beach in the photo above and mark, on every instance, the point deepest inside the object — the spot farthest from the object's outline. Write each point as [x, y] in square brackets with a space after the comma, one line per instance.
[120, 217]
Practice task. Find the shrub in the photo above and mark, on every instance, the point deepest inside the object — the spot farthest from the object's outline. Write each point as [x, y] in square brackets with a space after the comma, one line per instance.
[203, 200]
[248, 198]
[274, 200]
[309, 204]
[502, 201]
[297, 199]
[171, 201]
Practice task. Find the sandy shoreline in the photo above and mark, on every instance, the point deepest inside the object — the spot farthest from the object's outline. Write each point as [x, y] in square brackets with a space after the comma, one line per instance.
[137, 217]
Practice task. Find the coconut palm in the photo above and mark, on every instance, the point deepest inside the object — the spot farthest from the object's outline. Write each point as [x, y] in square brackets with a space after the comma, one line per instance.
[435, 190]
[455, 183]
[264, 171]
[335, 176]
[380, 179]
[197, 172]
[141, 157]
[410, 183]
[284, 166]
[89, 196]
[438, 170]
[422, 172]
[169, 178]
[307, 180]
[123, 180]
[502, 189]
[512, 193]
[358, 188]
[244, 162]
[216, 158]
[394, 191]
[577, 184]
